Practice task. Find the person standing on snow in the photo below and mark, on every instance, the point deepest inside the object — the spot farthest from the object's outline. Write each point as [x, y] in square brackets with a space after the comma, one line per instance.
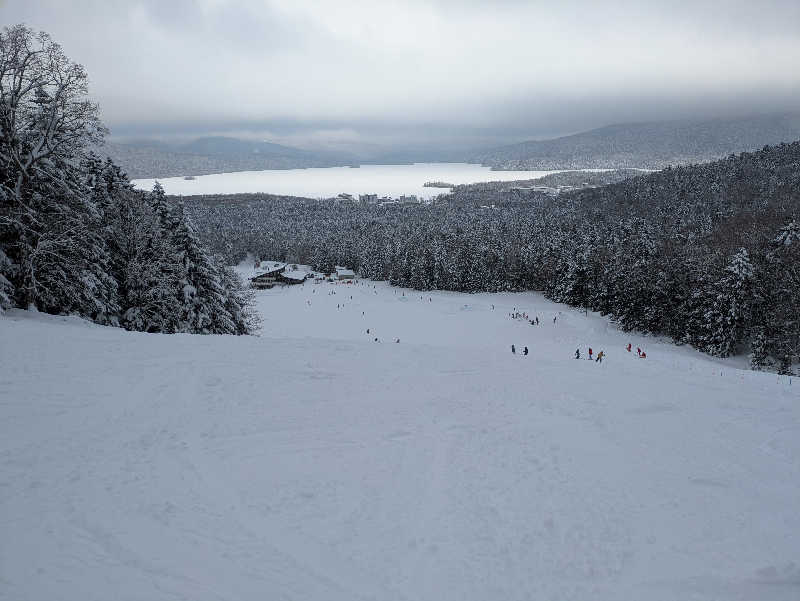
[525, 351]
[628, 347]
[513, 350]
[599, 357]
[590, 353]
[577, 353]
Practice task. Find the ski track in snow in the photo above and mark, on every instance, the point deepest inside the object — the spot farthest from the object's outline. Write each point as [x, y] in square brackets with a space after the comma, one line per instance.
[312, 463]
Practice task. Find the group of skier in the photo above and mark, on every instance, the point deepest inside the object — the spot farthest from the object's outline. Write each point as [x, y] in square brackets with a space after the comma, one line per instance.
[534, 321]
[599, 357]
[514, 350]
[640, 352]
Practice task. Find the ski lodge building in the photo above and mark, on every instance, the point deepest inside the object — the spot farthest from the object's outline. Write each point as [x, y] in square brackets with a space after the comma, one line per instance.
[267, 274]
[342, 273]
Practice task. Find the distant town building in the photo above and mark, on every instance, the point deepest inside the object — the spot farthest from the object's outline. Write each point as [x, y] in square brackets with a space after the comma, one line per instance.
[524, 190]
[368, 198]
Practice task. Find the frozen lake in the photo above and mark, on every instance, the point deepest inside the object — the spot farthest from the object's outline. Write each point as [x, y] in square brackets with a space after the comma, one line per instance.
[383, 180]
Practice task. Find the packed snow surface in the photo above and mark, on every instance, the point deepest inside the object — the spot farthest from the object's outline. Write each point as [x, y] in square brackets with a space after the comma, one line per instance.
[315, 463]
[326, 182]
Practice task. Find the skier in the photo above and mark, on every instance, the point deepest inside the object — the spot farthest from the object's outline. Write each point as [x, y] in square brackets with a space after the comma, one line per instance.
[599, 357]
[590, 353]
[628, 347]
[638, 351]
[577, 353]
[525, 351]
[367, 330]
[537, 320]
[513, 350]
[554, 318]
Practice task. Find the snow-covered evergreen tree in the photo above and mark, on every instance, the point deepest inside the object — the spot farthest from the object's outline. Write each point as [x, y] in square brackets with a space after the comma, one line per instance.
[781, 315]
[200, 292]
[239, 301]
[728, 320]
[47, 223]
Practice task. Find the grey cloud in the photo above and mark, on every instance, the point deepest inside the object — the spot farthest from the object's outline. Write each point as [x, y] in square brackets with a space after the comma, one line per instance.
[507, 69]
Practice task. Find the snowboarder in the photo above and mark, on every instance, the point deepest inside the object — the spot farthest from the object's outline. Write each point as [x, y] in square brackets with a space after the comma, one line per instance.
[599, 357]
[643, 355]
[577, 353]
[513, 350]
[525, 351]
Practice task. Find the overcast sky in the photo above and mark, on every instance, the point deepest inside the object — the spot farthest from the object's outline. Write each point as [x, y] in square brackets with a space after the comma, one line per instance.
[421, 71]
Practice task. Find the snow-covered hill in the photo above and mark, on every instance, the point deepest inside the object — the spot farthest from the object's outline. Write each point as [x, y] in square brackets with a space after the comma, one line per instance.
[314, 463]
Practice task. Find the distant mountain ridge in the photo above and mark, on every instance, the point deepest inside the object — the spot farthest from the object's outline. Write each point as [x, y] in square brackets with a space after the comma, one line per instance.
[650, 145]
[215, 154]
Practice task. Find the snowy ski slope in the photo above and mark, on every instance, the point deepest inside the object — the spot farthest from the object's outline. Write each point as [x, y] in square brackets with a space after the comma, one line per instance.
[315, 464]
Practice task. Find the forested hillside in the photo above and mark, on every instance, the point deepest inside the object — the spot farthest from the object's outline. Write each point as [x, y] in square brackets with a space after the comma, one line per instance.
[652, 145]
[707, 254]
[506, 193]
[149, 159]
[75, 237]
